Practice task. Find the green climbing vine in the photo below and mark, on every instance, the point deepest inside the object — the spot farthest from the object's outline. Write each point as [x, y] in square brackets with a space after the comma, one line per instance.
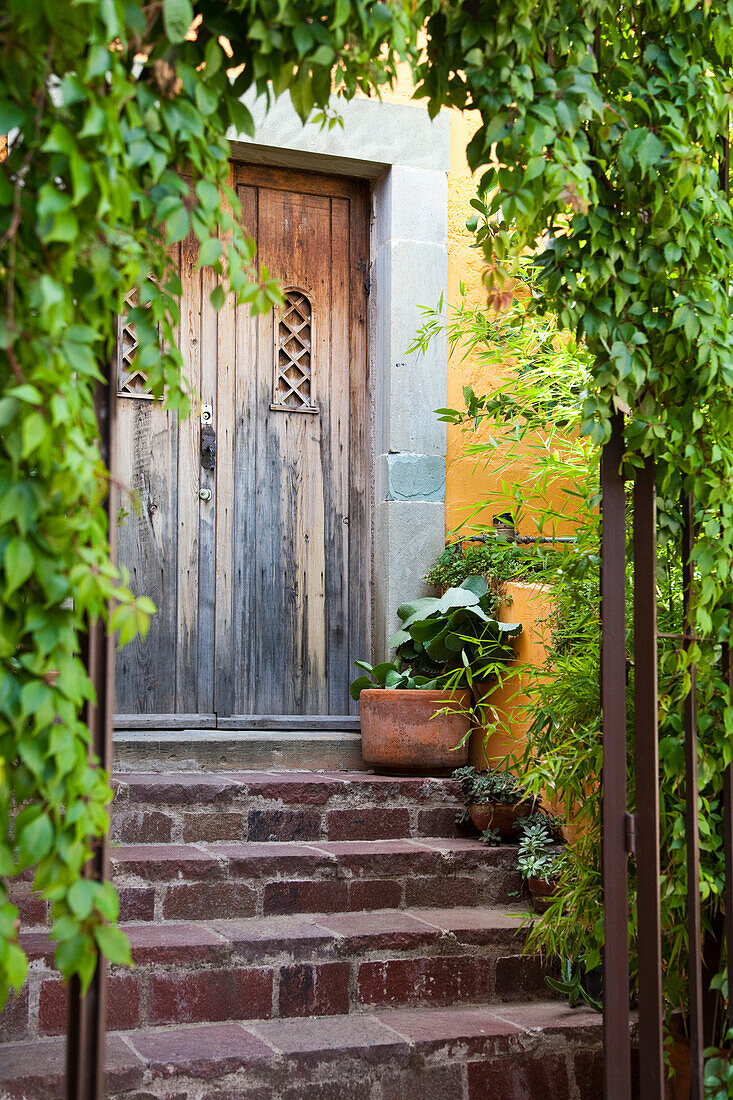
[601, 124]
[116, 113]
[603, 127]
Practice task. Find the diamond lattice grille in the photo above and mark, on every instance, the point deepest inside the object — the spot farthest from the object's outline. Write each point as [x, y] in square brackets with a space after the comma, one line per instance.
[293, 355]
[132, 382]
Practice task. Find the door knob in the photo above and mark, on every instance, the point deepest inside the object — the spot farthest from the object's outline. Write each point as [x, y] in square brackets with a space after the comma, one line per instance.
[205, 494]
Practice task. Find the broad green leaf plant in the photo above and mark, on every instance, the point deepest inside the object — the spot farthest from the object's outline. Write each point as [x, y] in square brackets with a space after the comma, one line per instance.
[448, 642]
[116, 114]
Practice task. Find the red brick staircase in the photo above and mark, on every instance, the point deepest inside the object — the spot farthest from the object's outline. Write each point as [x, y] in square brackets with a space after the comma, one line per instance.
[309, 936]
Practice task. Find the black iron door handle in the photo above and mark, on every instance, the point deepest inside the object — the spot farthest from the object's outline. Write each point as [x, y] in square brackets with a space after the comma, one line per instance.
[208, 447]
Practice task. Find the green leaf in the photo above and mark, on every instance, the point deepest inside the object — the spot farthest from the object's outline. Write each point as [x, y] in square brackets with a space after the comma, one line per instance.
[359, 684]
[11, 115]
[476, 584]
[177, 18]
[649, 151]
[77, 955]
[178, 225]
[458, 597]
[241, 118]
[35, 840]
[218, 297]
[113, 944]
[209, 252]
[107, 901]
[206, 100]
[18, 563]
[81, 898]
[208, 195]
[35, 430]
[16, 965]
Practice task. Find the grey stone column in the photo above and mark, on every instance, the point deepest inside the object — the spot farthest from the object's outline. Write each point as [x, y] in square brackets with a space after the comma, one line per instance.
[410, 267]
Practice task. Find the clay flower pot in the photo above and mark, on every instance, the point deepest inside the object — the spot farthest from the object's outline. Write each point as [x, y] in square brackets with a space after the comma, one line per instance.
[541, 893]
[497, 815]
[399, 732]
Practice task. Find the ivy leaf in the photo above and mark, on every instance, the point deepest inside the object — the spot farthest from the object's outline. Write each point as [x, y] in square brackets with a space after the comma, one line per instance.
[16, 965]
[113, 944]
[241, 118]
[81, 898]
[18, 562]
[178, 225]
[35, 840]
[108, 902]
[77, 955]
[209, 252]
[34, 433]
[177, 18]
[208, 194]
[649, 151]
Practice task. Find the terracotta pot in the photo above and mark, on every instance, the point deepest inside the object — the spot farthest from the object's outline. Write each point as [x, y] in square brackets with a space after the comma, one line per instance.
[496, 815]
[400, 732]
[541, 893]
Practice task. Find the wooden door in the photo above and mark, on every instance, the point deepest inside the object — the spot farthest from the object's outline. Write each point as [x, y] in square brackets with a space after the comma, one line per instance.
[263, 588]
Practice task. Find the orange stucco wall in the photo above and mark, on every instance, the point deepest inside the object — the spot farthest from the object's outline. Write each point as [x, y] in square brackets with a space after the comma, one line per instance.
[506, 737]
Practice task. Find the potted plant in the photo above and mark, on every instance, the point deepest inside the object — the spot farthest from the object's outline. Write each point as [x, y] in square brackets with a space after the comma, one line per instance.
[416, 710]
[540, 860]
[495, 800]
[410, 722]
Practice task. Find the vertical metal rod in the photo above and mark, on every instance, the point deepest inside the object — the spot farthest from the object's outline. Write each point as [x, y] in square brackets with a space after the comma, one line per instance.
[616, 1037]
[87, 1015]
[728, 841]
[727, 653]
[649, 918]
[724, 162]
[691, 818]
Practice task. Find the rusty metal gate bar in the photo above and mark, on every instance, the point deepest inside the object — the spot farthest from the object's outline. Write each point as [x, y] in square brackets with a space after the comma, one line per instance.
[727, 662]
[691, 815]
[646, 760]
[645, 826]
[616, 1037]
[87, 1015]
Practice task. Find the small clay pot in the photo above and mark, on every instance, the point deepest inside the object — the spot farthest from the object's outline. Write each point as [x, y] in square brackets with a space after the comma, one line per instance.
[497, 815]
[541, 893]
[400, 730]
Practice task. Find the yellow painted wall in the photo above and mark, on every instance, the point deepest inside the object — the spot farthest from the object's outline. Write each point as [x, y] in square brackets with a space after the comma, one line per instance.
[465, 482]
[506, 737]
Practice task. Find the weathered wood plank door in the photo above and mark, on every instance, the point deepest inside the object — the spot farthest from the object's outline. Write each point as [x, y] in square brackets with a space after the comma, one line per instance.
[256, 550]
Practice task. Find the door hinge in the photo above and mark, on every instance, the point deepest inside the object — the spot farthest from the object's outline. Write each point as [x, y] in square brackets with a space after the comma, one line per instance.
[630, 833]
[365, 270]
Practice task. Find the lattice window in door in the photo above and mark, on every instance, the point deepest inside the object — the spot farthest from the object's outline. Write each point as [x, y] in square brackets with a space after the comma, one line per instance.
[293, 385]
[131, 380]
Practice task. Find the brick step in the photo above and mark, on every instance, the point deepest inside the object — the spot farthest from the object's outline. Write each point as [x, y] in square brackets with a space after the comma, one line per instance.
[539, 1051]
[269, 806]
[294, 966]
[186, 881]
